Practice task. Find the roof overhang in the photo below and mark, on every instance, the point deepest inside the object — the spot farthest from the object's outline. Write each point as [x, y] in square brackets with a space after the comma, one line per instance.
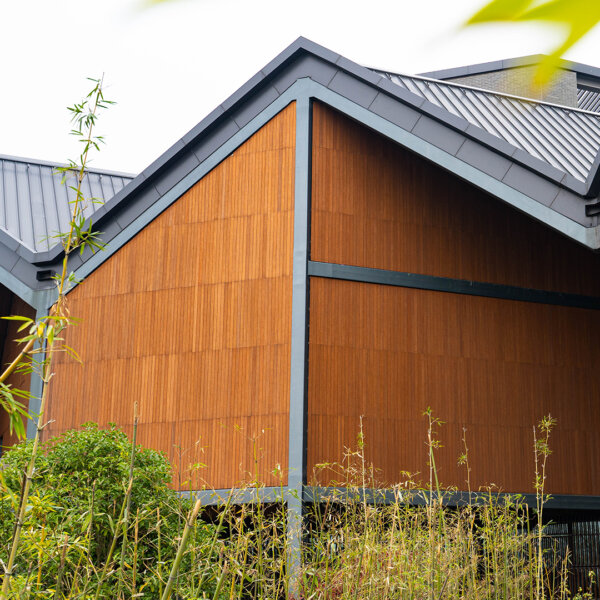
[306, 70]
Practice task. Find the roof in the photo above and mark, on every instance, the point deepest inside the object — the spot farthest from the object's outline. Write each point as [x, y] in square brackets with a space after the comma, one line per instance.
[581, 69]
[540, 158]
[588, 99]
[36, 204]
[564, 137]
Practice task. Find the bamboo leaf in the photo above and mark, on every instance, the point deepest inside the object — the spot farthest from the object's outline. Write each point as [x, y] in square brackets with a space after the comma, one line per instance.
[500, 10]
[577, 17]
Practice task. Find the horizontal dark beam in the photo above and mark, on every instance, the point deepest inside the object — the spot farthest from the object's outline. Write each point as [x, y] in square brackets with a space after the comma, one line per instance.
[422, 497]
[269, 495]
[454, 286]
[277, 495]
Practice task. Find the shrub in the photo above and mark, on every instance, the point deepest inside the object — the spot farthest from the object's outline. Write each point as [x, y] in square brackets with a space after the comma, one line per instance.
[78, 495]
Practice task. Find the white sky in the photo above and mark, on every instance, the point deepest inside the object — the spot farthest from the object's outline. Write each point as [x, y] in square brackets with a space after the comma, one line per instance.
[168, 66]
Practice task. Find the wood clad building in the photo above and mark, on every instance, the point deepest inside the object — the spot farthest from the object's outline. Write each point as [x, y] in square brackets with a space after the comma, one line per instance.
[335, 246]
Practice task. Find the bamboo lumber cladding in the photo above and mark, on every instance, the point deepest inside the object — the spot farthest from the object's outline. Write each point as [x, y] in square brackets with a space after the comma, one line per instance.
[12, 305]
[492, 366]
[377, 205]
[192, 319]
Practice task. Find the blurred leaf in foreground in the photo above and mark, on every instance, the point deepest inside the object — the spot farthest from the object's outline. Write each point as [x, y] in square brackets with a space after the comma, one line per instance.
[575, 17]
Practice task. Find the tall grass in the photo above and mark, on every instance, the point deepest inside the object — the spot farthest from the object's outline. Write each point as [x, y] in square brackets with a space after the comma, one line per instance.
[411, 544]
[359, 542]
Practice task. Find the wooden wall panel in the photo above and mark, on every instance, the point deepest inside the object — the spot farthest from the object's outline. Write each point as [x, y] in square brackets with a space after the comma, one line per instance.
[12, 305]
[492, 366]
[192, 319]
[375, 204]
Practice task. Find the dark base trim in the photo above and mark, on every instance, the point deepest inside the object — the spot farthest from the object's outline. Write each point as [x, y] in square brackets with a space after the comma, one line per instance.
[311, 494]
[422, 497]
[445, 284]
[269, 495]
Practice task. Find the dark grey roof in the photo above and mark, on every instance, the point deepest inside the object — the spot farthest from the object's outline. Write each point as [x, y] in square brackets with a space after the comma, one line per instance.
[306, 71]
[588, 99]
[568, 139]
[35, 205]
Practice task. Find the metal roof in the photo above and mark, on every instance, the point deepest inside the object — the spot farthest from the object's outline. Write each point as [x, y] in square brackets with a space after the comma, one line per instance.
[588, 99]
[303, 71]
[490, 139]
[566, 138]
[35, 205]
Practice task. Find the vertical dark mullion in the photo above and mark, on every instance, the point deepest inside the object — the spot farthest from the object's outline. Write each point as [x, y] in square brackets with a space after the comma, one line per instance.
[307, 302]
[299, 341]
[36, 384]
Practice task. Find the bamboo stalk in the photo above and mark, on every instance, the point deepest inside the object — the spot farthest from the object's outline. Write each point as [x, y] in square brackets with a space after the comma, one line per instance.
[113, 544]
[189, 524]
[15, 363]
[128, 505]
[57, 317]
[135, 553]
[61, 568]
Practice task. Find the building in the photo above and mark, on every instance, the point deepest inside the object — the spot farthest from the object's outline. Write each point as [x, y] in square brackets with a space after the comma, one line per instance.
[334, 242]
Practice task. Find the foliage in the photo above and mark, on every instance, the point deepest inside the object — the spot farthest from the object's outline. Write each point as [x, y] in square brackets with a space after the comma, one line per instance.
[73, 513]
[576, 17]
[411, 543]
[45, 335]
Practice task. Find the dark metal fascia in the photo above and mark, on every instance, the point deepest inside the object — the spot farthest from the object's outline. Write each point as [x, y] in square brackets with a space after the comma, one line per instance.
[592, 183]
[446, 284]
[312, 494]
[308, 88]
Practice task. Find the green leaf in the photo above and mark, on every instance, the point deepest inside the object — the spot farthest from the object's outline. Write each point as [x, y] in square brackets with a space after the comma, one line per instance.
[500, 10]
[577, 17]
[18, 318]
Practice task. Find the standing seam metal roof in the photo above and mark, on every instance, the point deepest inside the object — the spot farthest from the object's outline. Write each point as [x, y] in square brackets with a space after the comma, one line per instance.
[588, 99]
[36, 205]
[566, 138]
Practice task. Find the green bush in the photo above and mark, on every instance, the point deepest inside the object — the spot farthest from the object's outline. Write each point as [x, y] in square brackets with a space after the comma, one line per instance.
[73, 514]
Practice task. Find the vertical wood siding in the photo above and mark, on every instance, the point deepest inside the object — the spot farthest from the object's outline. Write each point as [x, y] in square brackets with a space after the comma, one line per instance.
[12, 305]
[493, 366]
[378, 205]
[192, 320]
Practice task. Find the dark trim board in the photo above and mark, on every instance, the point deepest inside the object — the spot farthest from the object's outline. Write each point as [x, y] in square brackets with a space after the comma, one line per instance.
[451, 499]
[311, 494]
[269, 495]
[454, 286]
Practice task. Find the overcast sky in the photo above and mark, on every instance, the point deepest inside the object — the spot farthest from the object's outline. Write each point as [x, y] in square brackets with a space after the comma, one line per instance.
[169, 65]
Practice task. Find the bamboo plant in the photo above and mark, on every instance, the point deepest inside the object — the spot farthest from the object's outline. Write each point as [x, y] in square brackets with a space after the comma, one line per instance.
[45, 334]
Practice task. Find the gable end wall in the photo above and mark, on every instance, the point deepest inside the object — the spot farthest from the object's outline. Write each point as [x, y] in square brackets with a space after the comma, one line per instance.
[192, 318]
[493, 366]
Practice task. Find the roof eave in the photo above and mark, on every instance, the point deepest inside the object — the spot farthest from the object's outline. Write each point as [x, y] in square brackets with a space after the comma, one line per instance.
[374, 94]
